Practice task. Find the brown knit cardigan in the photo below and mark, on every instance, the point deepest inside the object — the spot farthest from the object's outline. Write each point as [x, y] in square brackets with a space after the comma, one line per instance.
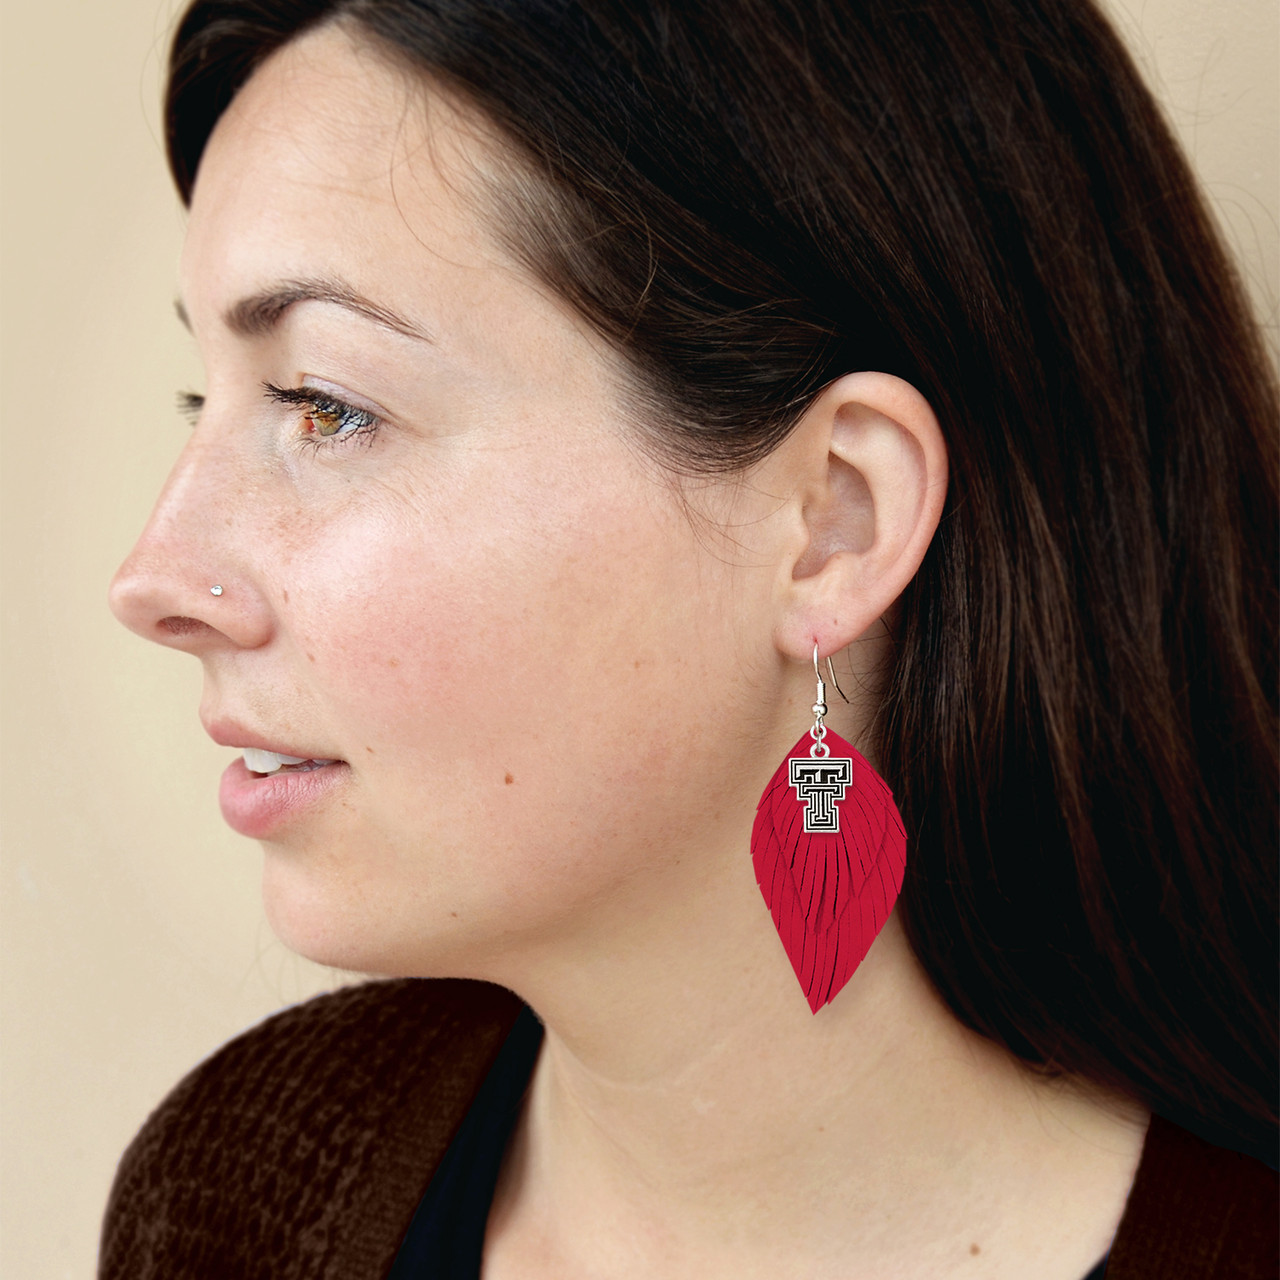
[301, 1149]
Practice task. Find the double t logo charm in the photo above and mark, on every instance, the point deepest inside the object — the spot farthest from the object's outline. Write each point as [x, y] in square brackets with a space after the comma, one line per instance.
[819, 785]
[829, 852]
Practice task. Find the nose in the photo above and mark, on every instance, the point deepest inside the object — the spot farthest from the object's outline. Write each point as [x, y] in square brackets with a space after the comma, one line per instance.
[189, 581]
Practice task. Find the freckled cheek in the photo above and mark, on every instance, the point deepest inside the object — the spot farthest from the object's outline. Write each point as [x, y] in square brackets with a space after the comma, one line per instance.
[501, 647]
[404, 635]
[389, 652]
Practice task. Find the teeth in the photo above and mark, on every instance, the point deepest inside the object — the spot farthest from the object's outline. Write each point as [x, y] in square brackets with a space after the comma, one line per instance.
[257, 761]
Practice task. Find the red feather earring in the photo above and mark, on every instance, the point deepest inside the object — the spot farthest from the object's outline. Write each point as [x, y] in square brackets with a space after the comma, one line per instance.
[829, 851]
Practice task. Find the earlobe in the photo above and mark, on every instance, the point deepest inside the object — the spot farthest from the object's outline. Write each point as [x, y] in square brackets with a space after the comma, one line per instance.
[872, 497]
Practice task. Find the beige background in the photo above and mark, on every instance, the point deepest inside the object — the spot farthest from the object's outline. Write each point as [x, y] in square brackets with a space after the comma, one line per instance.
[131, 936]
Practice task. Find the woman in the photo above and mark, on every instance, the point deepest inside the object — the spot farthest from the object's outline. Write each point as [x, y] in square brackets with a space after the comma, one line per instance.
[590, 385]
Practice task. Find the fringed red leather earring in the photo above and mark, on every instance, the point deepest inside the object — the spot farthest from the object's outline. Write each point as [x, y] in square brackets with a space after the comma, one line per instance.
[829, 850]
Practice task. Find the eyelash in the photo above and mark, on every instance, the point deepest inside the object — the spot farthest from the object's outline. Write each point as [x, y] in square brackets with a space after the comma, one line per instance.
[189, 405]
[361, 421]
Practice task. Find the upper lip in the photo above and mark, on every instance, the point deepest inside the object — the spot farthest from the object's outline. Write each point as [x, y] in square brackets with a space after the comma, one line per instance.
[226, 733]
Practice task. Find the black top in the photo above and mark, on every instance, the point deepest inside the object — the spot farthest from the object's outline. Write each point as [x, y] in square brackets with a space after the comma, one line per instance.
[445, 1240]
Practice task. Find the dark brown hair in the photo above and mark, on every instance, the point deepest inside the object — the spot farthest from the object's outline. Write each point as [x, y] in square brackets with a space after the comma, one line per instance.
[749, 198]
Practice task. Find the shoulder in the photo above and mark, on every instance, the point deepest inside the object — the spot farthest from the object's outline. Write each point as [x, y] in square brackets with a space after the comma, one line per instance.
[302, 1147]
[1198, 1210]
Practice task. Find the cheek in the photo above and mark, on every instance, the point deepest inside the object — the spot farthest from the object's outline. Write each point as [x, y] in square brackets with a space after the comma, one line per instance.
[514, 678]
[453, 629]
[535, 680]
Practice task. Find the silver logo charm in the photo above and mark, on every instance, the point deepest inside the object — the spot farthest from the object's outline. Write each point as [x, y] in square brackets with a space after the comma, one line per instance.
[821, 781]
[819, 784]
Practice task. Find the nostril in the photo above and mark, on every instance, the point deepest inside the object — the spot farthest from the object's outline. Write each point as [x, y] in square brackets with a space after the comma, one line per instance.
[182, 626]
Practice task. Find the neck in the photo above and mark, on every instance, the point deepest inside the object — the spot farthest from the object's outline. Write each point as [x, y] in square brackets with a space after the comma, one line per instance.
[686, 1095]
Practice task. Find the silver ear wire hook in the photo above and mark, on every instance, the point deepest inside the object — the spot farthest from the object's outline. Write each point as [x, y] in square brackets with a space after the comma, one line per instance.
[820, 750]
[818, 673]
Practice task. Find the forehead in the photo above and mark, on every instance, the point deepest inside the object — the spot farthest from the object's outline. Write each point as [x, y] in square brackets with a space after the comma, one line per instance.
[334, 160]
[335, 163]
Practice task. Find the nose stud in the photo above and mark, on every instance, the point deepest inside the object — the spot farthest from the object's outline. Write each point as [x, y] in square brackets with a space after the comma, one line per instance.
[216, 589]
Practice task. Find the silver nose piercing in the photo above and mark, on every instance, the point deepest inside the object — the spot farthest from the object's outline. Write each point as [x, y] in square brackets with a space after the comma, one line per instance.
[216, 590]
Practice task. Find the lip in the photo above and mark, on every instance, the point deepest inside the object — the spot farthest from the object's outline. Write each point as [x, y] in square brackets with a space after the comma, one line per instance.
[259, 806]
[227, 733]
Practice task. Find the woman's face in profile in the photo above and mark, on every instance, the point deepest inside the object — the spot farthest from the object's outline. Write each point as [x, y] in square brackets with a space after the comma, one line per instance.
[444, 566]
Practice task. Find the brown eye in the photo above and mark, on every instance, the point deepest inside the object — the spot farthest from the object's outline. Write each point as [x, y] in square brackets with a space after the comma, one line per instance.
[320, 423]
[323, 417]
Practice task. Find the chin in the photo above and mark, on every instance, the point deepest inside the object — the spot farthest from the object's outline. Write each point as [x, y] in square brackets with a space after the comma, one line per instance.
[326, 919]
[303, 919]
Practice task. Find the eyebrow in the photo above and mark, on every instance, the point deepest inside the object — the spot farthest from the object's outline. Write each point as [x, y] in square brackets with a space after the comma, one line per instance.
[258, 314]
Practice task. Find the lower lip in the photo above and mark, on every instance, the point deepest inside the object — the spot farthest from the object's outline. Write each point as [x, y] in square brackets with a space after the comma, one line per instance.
[256, 805]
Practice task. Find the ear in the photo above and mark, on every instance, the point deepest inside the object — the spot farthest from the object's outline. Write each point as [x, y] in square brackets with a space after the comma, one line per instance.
[870, 472]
